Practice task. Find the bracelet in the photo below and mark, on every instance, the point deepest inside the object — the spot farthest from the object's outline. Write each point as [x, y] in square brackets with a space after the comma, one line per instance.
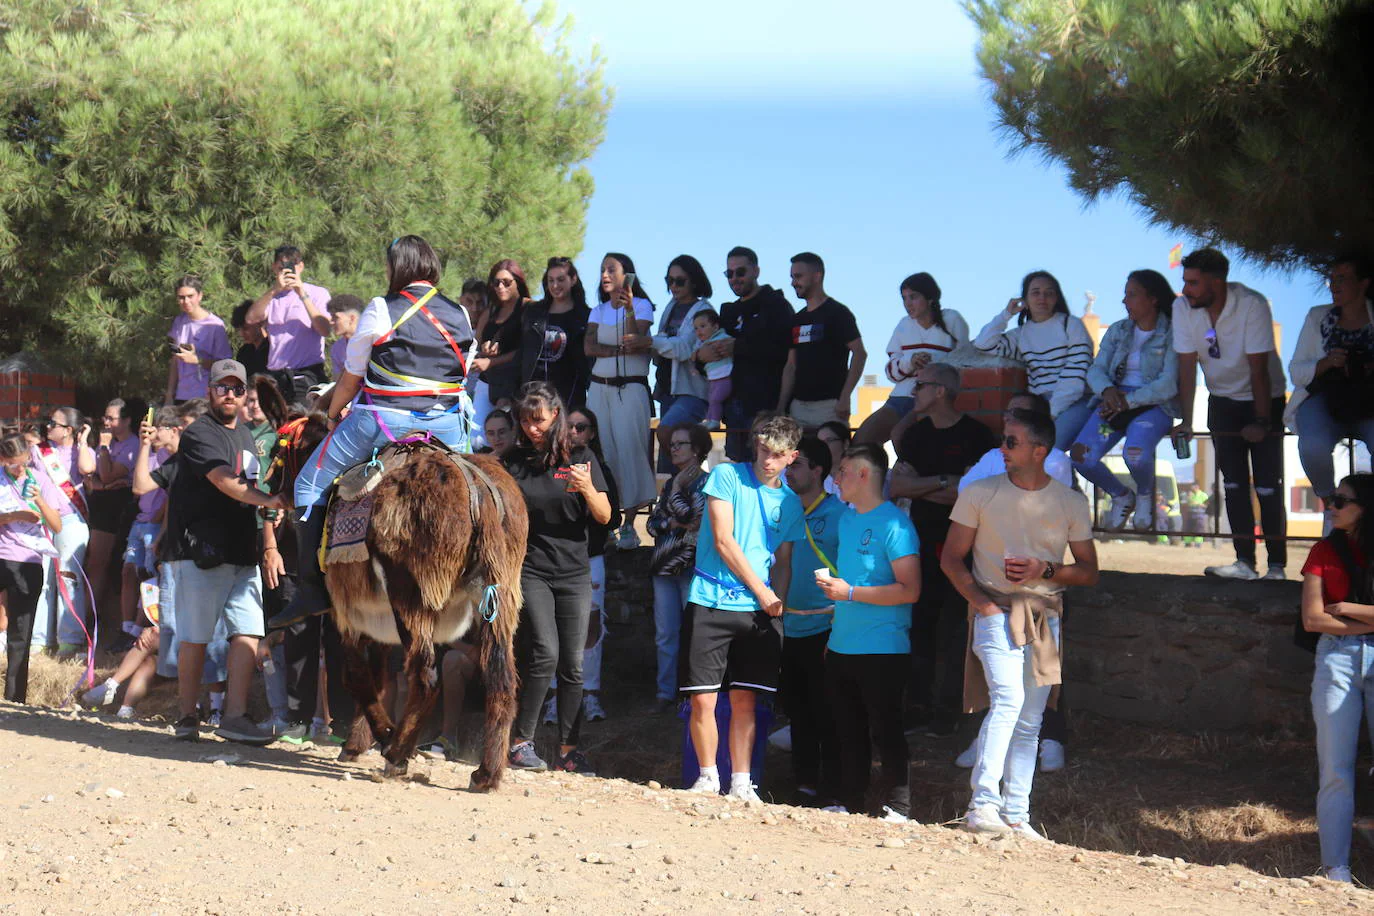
[851, 593]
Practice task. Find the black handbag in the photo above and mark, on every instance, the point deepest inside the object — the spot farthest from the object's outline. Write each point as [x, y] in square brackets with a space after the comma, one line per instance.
[206, 540]
[1349, 391]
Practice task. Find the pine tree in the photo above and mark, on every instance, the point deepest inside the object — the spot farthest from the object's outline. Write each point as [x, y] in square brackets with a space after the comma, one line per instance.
[1246, 122]
[145, 139]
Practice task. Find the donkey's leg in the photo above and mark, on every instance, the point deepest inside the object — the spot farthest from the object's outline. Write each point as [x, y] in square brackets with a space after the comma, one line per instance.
[365, 667]
[497, 645]
[422, 680]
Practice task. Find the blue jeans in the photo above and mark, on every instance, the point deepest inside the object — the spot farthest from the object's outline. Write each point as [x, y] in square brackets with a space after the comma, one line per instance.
[1142, 437]
[1317, 438]
[52, 618]
[670, 596]
[1342, 691]
[1068, 423]
[360, 433]
[1010, 734]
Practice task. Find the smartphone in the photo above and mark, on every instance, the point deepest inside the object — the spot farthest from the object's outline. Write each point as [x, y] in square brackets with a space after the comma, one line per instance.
[148, 417]
[630, 282]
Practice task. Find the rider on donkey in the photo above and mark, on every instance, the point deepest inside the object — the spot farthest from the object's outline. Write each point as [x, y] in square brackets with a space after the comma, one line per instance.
[405, 365]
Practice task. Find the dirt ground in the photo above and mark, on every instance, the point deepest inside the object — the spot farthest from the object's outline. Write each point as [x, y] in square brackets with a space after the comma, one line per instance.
[101, 815]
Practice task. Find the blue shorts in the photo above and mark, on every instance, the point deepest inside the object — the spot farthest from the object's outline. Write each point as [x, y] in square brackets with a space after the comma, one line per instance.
[139, 551]
[901, 406]
[204, 596]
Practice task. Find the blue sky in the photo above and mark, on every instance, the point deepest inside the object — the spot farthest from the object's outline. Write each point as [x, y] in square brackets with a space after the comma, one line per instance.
[857, 130]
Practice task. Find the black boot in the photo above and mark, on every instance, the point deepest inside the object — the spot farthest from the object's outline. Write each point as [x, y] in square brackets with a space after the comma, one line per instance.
[311, 597]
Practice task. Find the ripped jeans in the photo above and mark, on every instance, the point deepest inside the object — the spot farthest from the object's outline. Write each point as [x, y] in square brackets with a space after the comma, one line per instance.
[1142, 436]
[1236, 459]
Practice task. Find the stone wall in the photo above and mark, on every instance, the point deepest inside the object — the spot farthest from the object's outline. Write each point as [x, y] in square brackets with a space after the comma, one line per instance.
[1187, 652]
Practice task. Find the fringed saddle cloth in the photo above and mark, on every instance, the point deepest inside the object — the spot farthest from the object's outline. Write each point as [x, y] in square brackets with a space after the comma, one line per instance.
[346, 530]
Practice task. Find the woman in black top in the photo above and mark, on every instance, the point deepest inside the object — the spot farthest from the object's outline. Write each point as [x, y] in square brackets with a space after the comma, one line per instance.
[498, 336]
[564, 489]
[553, 329]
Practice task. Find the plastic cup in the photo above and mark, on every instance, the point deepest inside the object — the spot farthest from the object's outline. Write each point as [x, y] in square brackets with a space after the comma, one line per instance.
[823, 573]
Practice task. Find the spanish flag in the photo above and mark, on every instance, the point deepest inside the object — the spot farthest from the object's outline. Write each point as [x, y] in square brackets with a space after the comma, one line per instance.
[1175, 256]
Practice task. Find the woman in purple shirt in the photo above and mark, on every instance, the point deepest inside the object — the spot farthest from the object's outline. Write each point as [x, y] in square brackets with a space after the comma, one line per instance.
[64, 459]
[27, 505]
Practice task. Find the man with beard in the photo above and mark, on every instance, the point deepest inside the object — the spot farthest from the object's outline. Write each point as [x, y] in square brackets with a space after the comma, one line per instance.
[827, 356]
[211, 545]
[1228, 329]
[759, 323]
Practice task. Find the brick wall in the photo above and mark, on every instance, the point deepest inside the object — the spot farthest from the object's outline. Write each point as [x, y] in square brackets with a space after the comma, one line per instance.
[28, 397]
[986, 391]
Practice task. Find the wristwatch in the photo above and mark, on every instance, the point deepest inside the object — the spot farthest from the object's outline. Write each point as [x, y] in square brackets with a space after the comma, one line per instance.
[1049, 571]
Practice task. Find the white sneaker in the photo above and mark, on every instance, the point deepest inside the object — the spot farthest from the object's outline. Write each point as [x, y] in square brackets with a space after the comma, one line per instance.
[706, 785]
[985, 819]
[835, 809]
[1144, 517]
[743, 791]
[1122, 507]
[1276, 573]
[592, 710]
[1051, 756]
[892, 817]
[216, 717]
[125, 712]
[1026, 832]
[100, 694]
[551, 712]
[782, 739]
[969, 757]
[1339, 873]
[1237, 570]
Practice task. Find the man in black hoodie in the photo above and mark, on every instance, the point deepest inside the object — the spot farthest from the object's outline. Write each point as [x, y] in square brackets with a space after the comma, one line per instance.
[760, 323]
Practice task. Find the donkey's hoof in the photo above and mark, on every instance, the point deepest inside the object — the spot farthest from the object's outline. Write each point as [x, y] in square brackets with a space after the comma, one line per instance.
[395, 770]
[348, 756]
[483, 781]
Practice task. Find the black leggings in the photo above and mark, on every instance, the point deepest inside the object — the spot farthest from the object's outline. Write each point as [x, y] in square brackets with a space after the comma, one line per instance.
[1237, 460]
[23, 582]
[551, 638]
[866, 701]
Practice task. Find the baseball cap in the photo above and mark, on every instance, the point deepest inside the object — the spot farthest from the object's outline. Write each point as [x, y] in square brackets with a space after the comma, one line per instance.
[228, 368]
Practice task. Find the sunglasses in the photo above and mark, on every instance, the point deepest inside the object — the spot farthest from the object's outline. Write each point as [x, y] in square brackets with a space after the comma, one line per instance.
[738, 273]
[1337, 501]
[675, 282]
[1213, 348]
[580, 427]
[680, 444]
[503, 281]
[56, 425]
[1010, 442]
[237, 391]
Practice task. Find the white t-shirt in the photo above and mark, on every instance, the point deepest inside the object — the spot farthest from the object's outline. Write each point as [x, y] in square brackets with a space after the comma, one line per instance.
[1057, 465]
[1131, 378]
[1245, 327]
[611, 326]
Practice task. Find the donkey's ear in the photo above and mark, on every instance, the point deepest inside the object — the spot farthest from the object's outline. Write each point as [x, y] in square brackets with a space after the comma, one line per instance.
[270, 399]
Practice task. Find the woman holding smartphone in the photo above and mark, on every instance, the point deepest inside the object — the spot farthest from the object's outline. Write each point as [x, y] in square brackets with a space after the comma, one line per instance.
[618, 339]
[564, 489]
[1053, 344]
[28, 502]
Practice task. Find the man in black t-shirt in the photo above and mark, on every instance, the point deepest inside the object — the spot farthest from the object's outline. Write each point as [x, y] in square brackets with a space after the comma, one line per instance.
[211, 545]
[759, 323]
[253, 354]
[936, 444]
[821, 373]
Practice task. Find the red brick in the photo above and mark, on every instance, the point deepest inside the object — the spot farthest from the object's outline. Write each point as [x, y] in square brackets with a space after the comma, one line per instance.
[967, 401]
[1003, 377]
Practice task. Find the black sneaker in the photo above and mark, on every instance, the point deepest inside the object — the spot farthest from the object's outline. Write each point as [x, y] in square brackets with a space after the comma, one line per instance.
[574, 761]
[244, 731]
[523, 757]
[187, 728]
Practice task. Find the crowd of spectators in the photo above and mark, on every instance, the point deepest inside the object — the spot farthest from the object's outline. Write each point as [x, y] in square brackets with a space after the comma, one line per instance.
[886, 581]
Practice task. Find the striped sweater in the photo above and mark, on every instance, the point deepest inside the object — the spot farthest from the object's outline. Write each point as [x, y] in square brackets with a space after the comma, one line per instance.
[909, 338]
[1057, 354]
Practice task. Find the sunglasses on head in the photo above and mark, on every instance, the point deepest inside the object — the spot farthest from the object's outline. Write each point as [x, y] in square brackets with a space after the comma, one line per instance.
[1213, 348]
[237, 391]
[738, 273]
[1340, 501]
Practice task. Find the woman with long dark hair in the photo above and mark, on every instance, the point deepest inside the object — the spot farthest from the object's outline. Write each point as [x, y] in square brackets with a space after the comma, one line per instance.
[683, 385]
[564, 490]
[1338, 603]
[498, 335]
[618, 339]
[928, 332]
[553, 330]
[28, 506]
[1135, 385]
[1053, 344]
[404, 373]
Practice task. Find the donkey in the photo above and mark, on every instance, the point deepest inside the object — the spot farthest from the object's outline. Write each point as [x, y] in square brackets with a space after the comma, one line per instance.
[444, 548]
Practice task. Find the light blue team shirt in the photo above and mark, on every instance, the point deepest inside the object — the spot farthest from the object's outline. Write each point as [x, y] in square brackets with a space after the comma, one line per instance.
[714, 585]
[824, 524]
[869, 543]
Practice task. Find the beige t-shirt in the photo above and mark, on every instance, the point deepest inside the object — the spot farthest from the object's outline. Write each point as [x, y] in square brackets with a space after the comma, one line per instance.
[1022, 523]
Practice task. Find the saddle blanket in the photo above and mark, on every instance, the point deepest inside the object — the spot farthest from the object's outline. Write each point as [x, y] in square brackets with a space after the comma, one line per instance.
[346, 531]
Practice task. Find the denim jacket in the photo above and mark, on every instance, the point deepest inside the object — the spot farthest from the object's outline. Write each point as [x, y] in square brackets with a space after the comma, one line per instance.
[1158, 365]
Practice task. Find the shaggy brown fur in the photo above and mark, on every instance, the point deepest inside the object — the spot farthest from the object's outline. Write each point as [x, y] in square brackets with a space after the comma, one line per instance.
[434, 556]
